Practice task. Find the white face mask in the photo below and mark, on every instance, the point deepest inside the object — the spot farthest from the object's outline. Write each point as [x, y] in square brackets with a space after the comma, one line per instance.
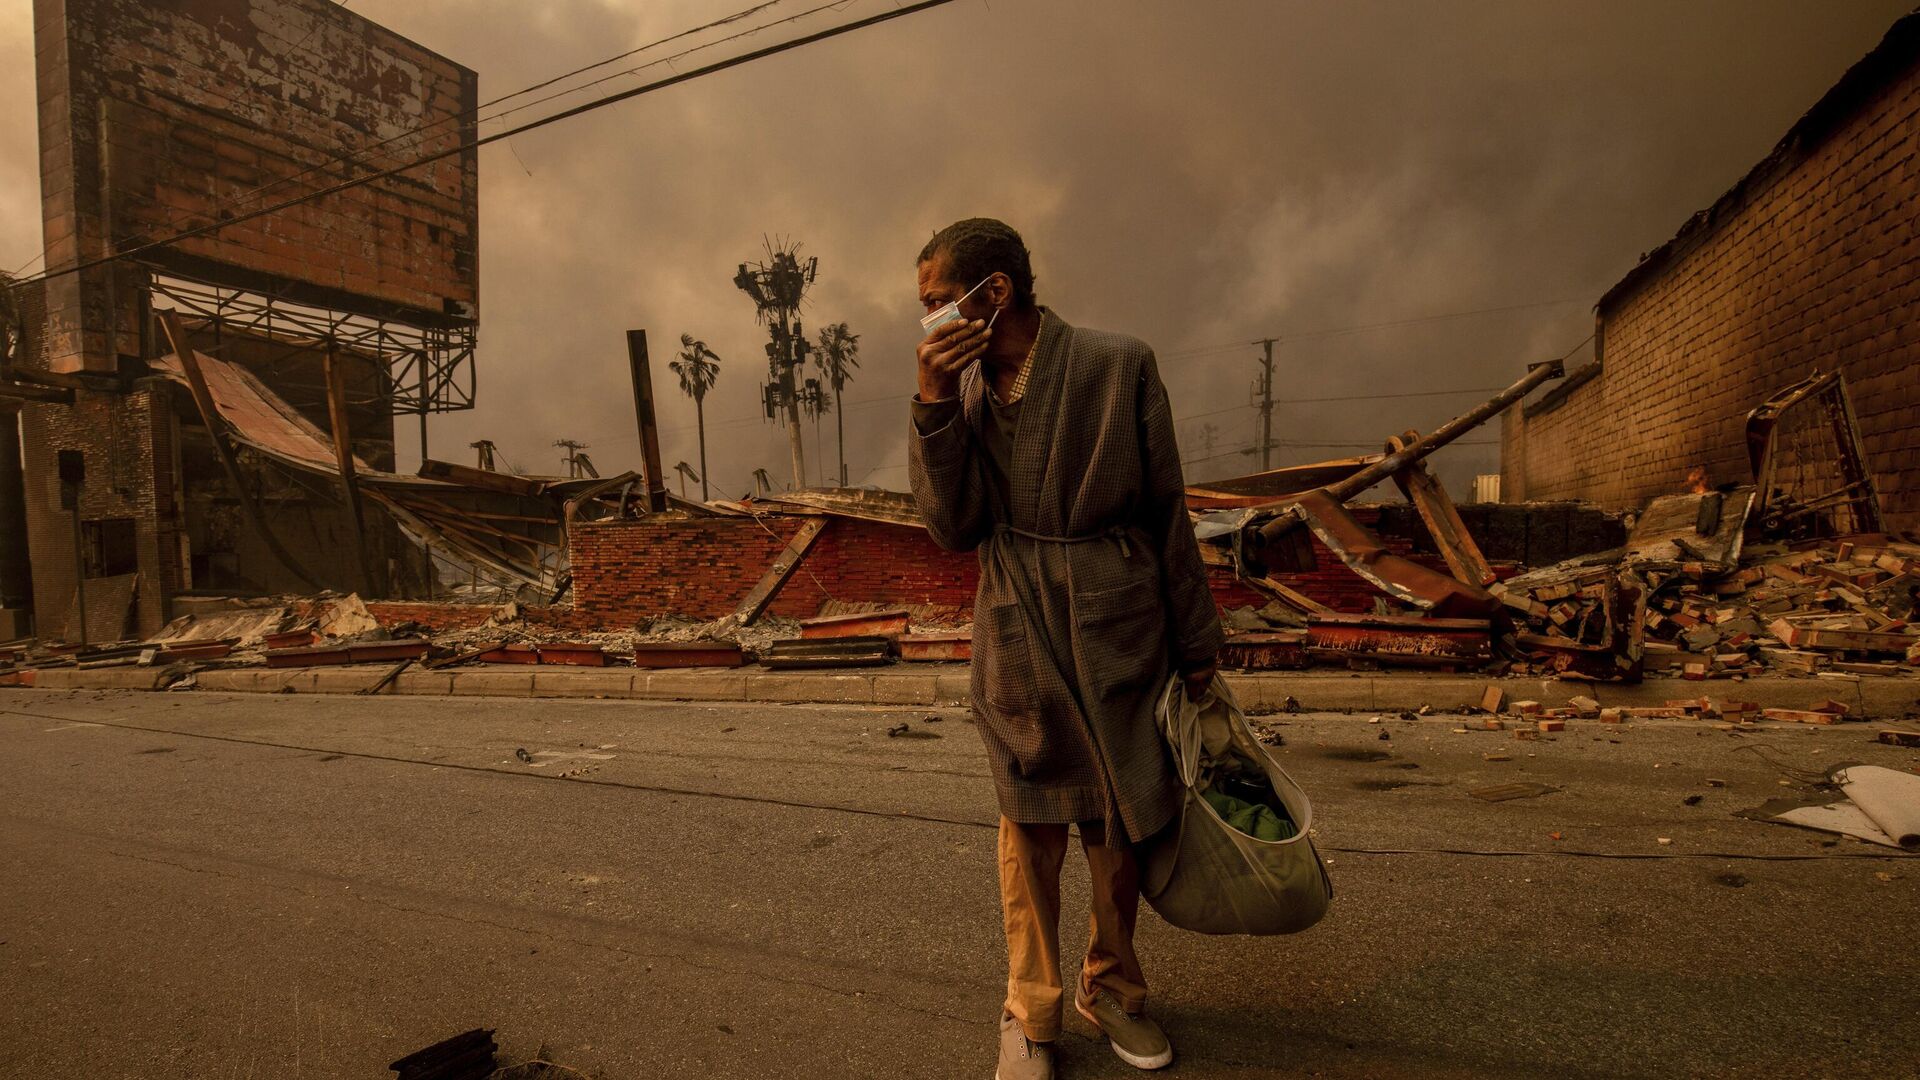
[948, 312]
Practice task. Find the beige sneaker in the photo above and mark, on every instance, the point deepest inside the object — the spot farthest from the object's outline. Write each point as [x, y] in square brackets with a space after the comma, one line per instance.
[1135, 1039]
[1020, 1057]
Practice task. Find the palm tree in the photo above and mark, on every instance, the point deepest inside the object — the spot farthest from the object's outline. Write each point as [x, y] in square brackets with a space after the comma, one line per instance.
[838, 355]
[698, 368]
[816, 401]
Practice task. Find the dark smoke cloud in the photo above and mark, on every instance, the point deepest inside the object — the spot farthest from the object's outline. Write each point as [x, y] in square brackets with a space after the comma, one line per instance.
[1199, 174]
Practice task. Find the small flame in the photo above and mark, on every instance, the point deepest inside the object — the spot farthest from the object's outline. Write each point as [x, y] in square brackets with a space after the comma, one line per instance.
[1697, 480]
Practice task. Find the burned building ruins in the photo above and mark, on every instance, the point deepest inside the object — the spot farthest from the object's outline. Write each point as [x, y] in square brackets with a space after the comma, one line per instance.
[154, 472]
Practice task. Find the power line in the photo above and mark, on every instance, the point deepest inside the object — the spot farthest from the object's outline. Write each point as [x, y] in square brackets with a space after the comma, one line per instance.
[565, 114]
[1337, 331]
[1349, 397]
[897, 399]
[477, 119]
[1263, 389]
[1377, 447]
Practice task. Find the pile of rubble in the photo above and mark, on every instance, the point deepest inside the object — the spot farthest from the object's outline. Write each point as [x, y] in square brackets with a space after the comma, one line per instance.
[1834, 607]
[340, 630]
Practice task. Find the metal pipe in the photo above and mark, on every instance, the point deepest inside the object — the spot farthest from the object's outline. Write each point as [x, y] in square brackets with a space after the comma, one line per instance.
[1445, 433]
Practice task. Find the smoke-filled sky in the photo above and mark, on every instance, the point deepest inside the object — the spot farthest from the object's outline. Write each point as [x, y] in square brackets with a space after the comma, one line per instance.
[1200, 174]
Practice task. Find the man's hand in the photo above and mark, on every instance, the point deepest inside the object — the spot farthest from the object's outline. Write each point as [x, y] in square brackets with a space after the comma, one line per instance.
[945, 354]
[1198, 681]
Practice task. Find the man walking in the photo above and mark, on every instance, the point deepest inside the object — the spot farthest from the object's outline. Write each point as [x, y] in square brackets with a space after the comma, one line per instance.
[1050, 449]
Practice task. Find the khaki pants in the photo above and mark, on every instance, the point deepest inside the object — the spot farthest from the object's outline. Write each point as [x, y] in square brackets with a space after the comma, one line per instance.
[1030, 858]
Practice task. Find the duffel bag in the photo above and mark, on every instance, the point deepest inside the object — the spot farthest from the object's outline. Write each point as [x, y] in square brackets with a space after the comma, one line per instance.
[1204, 875]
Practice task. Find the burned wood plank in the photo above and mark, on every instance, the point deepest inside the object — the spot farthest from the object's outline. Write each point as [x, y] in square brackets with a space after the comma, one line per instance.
[1393, 574]
[349, 480]
[1442, 518]
[484, 479]
[1856, 490]
[784, 565]
[387, 679]
[857, 624]
[1307, 605]
[831, 652]
[1400, 639]
[1265, 650]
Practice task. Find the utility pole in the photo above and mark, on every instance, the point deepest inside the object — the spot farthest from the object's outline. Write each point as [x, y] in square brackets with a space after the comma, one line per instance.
[575, 460]
[485, 448]
[1263, 390]
[654, 476]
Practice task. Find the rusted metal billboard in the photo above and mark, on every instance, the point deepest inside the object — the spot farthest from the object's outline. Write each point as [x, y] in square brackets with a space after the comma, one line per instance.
[161, 115]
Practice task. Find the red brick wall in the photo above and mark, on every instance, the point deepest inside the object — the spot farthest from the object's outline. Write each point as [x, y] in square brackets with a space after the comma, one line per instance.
[629, 571]
[435, 617]
[1813, 263]
[179, 109]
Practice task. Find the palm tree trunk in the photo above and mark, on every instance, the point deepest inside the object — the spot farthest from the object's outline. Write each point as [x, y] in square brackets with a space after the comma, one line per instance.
[700, 417]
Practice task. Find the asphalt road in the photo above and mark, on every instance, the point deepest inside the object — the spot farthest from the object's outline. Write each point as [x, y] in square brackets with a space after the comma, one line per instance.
[206, 886]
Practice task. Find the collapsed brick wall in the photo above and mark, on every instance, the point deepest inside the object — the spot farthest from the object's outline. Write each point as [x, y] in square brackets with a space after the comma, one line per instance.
[1812, 263]
[628, 572]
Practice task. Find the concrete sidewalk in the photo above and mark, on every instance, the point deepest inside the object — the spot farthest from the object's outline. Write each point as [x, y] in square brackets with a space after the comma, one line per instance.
[1881, 698]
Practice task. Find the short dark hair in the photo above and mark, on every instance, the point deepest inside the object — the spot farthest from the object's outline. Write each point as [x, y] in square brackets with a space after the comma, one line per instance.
[978, 247]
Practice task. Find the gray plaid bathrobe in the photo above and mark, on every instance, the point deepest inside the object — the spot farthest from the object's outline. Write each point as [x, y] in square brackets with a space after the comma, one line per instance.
[1089, 592]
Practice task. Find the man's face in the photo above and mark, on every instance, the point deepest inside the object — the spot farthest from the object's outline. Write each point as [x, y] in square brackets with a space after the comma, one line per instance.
[937, 287]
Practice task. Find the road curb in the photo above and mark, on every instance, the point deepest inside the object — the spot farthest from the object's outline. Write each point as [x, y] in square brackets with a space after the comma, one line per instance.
[946, 685]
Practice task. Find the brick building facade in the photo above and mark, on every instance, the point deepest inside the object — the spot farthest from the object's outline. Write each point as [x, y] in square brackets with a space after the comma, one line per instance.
[131, 494]
[1812, 261]
[160, 116]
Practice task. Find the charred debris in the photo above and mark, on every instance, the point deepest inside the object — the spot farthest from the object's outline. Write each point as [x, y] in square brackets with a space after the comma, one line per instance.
[1791, 573]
